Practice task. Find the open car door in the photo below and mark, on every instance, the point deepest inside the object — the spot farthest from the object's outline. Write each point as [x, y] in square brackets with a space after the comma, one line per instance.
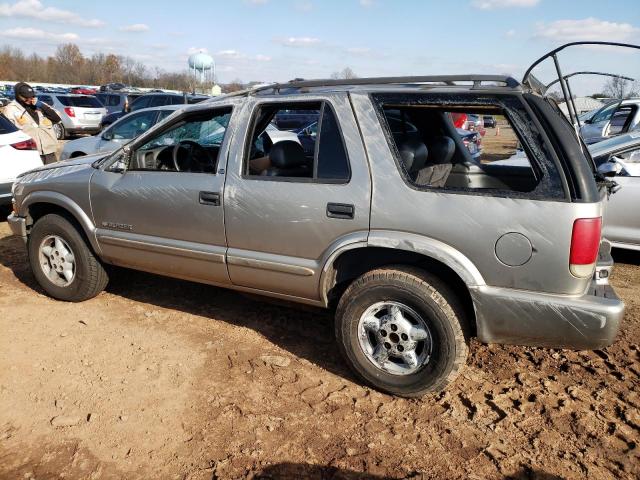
[549, 65]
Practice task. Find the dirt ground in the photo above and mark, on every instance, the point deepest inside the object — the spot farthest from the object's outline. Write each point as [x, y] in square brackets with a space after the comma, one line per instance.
[157, 378]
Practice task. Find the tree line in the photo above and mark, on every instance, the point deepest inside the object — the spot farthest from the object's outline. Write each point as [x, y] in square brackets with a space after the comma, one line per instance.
[69, 66]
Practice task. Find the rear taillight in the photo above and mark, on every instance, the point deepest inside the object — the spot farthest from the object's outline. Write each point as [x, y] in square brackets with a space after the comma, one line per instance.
[70, 111]
[26, 145]
[585, 243]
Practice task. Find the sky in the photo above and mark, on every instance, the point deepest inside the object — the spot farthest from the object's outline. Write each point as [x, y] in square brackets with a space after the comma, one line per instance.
[277, 40]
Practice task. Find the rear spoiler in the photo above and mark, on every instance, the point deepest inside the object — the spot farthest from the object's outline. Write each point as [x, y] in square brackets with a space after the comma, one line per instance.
[537, 86]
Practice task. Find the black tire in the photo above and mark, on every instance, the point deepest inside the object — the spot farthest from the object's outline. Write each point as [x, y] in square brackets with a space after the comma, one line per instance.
[90, 277]
[430, 298]
[58, 128]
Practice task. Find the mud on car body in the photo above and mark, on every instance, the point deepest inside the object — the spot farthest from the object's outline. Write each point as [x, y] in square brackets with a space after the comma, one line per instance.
[389, 220]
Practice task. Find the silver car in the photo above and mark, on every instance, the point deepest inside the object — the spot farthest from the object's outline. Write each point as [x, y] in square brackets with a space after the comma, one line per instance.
[613, 119]
[118, 133]
[621, 219]
[380, 222]
[78, 113]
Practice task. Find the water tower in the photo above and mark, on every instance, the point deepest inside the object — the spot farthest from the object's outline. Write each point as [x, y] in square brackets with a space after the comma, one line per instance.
[203, 67]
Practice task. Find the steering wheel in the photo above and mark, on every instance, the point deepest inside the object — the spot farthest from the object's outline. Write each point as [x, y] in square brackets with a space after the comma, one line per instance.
[191, 148]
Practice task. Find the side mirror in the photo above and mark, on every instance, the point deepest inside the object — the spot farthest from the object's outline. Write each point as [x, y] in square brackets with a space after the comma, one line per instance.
[107, 135]
[122, 162]
[609, 169]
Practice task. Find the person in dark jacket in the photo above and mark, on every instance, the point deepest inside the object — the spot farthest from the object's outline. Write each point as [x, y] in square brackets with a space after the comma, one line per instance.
[34, 118]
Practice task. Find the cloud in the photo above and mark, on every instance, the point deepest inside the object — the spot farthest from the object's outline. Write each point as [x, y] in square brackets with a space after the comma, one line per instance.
[135, 28]
[366, 3]
[298, 41]
[587, 29]
[193, 50]
[36, 10]
[37, 34]
[262, 58]
[303, 5]
[494, 4]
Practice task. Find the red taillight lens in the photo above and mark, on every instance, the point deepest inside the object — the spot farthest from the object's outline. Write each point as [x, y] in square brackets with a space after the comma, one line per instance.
[26, 145]
[70, 111]
[585, 242]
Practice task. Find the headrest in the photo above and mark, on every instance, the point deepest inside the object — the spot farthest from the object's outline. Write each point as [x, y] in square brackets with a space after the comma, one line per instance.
[287, 154]
[414, 154]
[442, 150]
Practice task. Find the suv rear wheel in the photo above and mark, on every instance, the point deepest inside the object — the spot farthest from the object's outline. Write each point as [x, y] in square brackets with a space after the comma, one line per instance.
[401, 330]
[62, 262]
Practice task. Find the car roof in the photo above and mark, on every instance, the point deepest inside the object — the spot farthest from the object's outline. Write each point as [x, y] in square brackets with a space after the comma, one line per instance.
[453, 82]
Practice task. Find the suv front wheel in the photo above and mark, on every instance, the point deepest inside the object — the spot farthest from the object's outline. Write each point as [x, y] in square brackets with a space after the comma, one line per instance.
[401, 330]
[62, 262]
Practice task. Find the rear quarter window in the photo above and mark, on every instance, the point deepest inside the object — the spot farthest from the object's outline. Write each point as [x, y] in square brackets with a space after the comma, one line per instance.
[438, 148]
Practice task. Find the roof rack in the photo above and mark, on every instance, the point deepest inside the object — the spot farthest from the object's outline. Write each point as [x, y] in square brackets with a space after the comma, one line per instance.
[448, 80]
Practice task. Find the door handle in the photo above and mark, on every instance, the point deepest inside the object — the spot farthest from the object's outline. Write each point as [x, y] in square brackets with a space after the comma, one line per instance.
[210, 198]
[340, 210]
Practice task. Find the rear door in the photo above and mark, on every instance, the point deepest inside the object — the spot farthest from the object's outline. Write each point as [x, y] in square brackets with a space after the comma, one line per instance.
[286, 212]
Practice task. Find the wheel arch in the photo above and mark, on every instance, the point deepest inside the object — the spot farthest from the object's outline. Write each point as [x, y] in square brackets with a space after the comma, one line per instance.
[399, 248]
[37, 204]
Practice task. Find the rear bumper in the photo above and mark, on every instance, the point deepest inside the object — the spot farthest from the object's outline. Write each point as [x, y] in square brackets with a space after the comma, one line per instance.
[520, 317]
[18, 226]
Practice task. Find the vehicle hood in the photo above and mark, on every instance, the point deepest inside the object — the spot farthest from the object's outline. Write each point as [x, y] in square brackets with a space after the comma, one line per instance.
[59, 168]
[615, 143]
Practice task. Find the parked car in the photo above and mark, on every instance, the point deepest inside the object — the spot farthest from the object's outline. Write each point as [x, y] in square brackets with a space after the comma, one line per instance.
[18, 154]
[117, 134]
[621, 220]
[413, 255]
[110, 87]
[489, 121]
[154, 100]
[83, 91]
[612, 119]
[116, 102]
[79, 113]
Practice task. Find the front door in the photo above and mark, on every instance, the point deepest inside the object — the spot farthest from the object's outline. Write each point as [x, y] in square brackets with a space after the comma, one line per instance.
[286, 206]
[164, 214]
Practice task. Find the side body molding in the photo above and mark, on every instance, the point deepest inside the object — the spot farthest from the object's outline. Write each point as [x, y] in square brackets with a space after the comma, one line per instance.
[55, 198]
[429, 247]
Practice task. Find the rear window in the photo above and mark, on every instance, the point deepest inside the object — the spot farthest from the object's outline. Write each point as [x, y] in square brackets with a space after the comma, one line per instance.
[86, 102]
[6, 126]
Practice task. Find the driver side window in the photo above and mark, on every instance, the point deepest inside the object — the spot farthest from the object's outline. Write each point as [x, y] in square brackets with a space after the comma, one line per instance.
[192, 144]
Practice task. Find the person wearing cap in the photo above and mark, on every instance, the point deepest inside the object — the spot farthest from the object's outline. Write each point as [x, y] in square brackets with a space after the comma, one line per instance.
[36, 119]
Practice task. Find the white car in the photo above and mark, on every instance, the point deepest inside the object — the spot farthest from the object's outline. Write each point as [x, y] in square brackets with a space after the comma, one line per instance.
[18, 154]
[118, 133]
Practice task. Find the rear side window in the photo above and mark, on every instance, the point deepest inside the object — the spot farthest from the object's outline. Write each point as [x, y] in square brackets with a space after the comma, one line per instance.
[313, 151]
[444, 145]
[6, 126]
[82, 102]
